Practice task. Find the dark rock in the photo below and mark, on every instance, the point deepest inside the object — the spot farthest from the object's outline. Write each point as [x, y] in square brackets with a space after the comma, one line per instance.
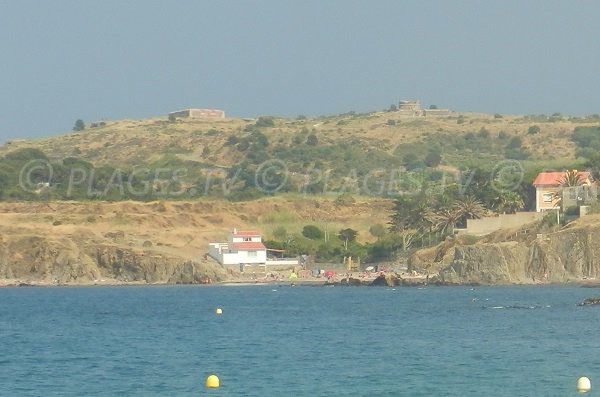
[386, 280]
[591, 301]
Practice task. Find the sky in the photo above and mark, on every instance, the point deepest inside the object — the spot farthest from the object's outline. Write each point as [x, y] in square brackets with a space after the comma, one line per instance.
[125, 59]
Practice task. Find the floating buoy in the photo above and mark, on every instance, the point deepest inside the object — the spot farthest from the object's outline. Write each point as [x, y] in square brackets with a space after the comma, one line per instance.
[212, 382]
[584, 385]
[219, 311]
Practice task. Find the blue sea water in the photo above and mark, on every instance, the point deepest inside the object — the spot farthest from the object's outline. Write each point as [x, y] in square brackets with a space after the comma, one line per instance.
[297, 341]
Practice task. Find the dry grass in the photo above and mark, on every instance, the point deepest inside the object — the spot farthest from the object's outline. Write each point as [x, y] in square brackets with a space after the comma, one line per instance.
[139, 142]
[182, 228]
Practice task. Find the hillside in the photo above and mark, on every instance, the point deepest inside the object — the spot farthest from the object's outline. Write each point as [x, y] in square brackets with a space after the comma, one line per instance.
[157, 242]
[377, 154]
[139, 200]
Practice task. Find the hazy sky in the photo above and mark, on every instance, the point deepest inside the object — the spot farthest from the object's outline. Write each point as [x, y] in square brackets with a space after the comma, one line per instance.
[115, 59]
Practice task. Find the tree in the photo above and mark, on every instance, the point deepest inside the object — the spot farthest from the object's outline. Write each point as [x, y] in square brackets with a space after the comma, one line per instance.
[445, 220]
[407, 236]
[79, 125]
[593, 164]
[312, 140]
[410, 216]
[534, 129]
[509, 202]
[347, 235]
[265, 122]
[433, 158]
[377, 230]
[468, 208]
[312, 232]
[572, 178]
[433, 107]
[403, 215]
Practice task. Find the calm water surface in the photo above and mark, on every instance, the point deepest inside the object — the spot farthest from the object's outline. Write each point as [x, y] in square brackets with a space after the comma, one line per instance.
[297, 341]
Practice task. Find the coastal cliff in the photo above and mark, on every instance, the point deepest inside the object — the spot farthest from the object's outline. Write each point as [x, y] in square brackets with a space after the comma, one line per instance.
[54, 243]
[568, 255]
[84, 260]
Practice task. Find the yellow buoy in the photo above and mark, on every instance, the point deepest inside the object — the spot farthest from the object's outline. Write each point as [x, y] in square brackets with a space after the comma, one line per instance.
[219, 311]
[584, 385]
[212, 382]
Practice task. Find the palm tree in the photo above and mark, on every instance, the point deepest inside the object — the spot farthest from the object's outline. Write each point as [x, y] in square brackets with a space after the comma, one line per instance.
[445, 220]
[468, 208]
[572, 178]
[509, 202]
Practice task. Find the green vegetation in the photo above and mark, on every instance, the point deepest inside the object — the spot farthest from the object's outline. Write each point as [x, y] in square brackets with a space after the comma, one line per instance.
[352, 154]
[79, 125]
[588, 141]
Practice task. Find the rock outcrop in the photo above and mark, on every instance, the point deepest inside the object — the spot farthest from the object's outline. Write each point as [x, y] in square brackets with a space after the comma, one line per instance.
[569, 255]
[84, 260]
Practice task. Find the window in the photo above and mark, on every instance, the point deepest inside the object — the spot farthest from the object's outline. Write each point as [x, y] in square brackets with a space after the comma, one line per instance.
[252, 253]
[547, 197]
[247, 239]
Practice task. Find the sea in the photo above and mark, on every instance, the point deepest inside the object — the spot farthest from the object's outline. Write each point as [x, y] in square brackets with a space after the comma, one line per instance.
[282, 340]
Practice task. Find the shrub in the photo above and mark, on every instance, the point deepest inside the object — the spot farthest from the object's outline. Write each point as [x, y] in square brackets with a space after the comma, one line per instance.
[534, 129]
[433, 158]
[232, 140]
[483, 133]
[515, 142]
[265, 122]
[312, 232]
[574, 210]
[470, 240]
[377, 230]
[516, 154]
[79, 125]
[345, 199]
[312, 140]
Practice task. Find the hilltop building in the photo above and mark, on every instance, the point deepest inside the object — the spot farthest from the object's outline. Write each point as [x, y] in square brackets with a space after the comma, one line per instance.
[412, 108]
[199, 113]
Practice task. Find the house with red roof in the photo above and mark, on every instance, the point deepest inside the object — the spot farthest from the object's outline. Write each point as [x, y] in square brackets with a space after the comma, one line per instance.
[549, 187]
[242, 248]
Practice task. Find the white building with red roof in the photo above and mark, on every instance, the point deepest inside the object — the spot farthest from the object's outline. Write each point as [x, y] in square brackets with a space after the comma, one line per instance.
[246, 250]
[242, 248]
[548, 184]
